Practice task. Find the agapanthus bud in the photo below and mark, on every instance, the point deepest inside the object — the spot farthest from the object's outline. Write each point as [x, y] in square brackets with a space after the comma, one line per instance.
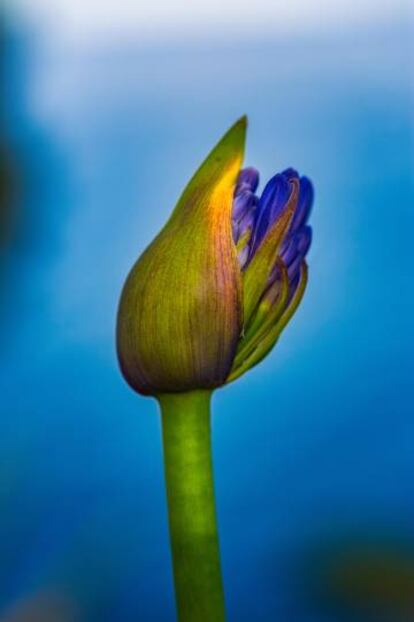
[209, 297]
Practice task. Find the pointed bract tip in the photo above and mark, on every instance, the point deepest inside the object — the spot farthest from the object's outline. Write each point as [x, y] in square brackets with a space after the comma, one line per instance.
[243, 120]
[239, 126]
[237, 132]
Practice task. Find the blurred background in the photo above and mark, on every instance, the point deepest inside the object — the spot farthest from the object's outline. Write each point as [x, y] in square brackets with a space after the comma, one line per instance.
[108, 109]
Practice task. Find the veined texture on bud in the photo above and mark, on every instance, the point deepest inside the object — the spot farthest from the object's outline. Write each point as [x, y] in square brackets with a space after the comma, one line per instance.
[210, 296]
[180, 314]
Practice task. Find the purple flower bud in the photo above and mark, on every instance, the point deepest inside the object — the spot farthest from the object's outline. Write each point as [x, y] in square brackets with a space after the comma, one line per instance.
[274, 272]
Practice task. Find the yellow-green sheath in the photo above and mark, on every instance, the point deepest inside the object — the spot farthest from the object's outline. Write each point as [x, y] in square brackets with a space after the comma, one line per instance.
[191, 507]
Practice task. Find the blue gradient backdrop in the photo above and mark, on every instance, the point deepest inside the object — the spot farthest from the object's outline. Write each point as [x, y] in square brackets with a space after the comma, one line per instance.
[315, 444]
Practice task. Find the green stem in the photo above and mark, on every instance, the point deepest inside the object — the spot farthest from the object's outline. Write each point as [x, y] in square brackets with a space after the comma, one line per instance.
[192, 516]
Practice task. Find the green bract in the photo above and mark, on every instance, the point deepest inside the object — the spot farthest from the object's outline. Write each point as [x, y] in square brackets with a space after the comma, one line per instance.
[180, 313]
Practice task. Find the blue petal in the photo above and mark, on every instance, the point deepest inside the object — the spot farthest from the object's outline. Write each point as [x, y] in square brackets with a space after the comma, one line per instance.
[289, 250]
[248, 218]
[248, 180]
[290, 173]
[297, 250]
[305, 202]
[244, 205]
[271, 205]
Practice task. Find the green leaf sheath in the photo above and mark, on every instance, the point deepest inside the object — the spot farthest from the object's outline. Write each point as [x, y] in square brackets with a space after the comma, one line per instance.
[191, 507]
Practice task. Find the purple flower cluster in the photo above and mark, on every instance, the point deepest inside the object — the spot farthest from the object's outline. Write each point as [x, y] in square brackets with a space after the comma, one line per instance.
[252, 218]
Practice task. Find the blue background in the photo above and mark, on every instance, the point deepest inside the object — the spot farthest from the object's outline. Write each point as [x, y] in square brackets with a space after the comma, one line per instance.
[314, 448]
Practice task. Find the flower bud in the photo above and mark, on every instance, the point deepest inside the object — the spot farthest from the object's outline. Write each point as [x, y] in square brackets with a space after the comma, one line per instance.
[211, 295]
